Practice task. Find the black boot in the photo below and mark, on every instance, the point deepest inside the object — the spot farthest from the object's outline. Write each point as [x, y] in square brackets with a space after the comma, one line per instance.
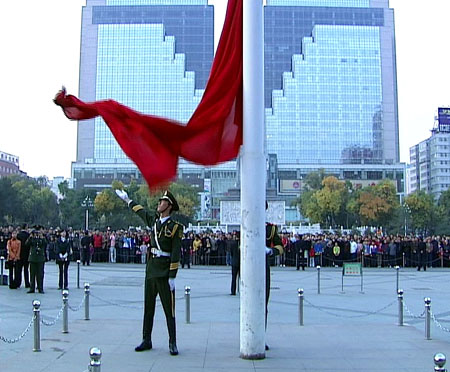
[173, 348]
[267, 347]
[146, 344]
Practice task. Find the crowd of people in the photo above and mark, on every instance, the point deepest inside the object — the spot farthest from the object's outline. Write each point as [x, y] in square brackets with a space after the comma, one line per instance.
[27, 249]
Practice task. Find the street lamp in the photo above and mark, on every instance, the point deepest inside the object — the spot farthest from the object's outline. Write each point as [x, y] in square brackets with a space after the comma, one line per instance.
[407, 211]
[87, 203]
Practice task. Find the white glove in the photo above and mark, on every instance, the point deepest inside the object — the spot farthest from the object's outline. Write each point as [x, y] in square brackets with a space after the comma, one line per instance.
[269, 251]
[172, 284]
[123, 195]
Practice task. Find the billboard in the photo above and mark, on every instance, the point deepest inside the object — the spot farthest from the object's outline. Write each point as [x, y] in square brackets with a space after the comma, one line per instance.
[230, 212]
[444, 119]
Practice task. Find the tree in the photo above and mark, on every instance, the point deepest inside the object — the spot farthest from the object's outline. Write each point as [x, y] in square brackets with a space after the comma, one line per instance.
[422, 209]
[326, 205]
[332, 199]
[376, 204]
[9, 202]
[443, 212]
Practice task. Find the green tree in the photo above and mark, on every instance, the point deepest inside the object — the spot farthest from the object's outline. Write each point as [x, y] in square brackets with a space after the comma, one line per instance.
[71, 210]
[313, 180]
[422, 208]
[9, 202]
[443, 212]
[332, 199]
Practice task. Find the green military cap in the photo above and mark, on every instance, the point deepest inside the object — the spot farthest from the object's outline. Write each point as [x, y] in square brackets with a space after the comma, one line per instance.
[171, 199]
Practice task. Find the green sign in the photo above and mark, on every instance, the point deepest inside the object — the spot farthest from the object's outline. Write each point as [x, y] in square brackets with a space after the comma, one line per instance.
[351, 269]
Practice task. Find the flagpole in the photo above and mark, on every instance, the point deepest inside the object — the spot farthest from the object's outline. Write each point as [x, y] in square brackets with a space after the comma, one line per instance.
[253, 186]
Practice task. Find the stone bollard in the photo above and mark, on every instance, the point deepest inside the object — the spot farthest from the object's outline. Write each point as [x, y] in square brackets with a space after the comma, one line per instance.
[187, 297]
[86, 301]
[78, 273]
[318, 279]
[427, 301]
[95, 364]
[65, 296]
[300, 306]
[400, 307]
[439, 362]
[37, 325]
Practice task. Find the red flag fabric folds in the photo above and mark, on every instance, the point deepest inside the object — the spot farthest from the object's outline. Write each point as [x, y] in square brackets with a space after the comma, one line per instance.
[213, 133]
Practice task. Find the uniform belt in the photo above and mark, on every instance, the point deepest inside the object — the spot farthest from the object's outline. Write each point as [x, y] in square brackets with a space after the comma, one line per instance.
[158, 253]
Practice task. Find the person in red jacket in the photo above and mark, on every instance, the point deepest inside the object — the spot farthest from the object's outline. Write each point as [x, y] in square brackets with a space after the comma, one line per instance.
[98, 243]
[13, 247]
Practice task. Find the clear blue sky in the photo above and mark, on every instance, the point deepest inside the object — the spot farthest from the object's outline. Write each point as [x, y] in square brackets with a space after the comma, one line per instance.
[41, 43]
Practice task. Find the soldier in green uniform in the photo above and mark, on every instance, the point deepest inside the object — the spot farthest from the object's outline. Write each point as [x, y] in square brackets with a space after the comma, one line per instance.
[37, 245]
[274, 247]
[162, 265]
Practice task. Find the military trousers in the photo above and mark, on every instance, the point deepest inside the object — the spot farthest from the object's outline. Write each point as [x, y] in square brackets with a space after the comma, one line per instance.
[37, 275]
[154, 287]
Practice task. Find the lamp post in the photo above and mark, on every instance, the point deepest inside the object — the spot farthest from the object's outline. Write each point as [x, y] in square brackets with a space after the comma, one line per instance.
[407, 211]
[87, 203]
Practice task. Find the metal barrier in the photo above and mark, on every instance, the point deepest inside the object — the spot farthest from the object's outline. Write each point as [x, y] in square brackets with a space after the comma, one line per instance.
[427, 301]
[318, 279]
[78, 273]
[37, 325]
[95, 364]
[400, 307]
[397, 268]
[439, 362]
[187, 296]
[65, 296]
[300, 306]
[2, 265]
[86, 300]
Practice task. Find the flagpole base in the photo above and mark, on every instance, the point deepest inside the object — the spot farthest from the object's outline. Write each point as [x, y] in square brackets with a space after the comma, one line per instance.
[253, 356]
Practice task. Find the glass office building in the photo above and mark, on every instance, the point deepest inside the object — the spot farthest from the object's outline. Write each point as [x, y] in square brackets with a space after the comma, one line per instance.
[330, 82]
[152, 55]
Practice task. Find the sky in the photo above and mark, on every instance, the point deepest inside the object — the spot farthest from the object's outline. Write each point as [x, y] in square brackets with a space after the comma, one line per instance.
[41, 52]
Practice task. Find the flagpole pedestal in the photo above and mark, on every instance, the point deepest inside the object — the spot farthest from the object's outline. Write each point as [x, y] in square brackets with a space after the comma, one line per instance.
[253, 187]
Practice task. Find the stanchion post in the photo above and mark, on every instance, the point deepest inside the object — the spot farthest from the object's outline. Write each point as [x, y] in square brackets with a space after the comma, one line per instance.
[442, 259]
[95, 364]
[300, 306]
[400, 307]
[318, 279]
[65, 296]
[37, 325]
[362, 281]
[2, 262]
[427, 318]
[397, 268]
[187, 297]
[78, 274]
[439, 362]
[86, 300]
[403, 260]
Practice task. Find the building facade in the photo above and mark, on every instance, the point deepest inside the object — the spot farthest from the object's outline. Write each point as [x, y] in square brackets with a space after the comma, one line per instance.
[330, 90]
[152, 55]
[9, 165]
[429, 168]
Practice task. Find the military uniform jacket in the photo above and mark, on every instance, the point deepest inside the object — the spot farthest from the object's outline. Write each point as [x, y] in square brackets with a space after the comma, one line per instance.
[169, 235]
[37, 249]
[273, 240]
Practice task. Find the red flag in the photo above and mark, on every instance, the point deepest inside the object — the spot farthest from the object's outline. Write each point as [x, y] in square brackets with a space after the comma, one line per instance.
[213, 133]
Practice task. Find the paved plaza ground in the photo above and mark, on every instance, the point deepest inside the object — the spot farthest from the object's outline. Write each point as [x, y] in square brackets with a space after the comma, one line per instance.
[342, 332]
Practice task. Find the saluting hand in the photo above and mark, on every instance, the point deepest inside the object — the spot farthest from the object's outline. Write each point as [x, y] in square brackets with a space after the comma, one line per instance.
[123, 195]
